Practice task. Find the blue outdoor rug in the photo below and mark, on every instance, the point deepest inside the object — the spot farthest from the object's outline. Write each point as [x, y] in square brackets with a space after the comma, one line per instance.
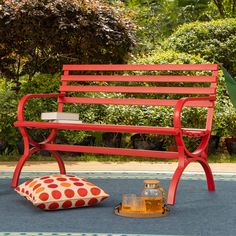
[196, 212]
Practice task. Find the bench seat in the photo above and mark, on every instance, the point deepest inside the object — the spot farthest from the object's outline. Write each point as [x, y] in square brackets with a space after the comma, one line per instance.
[113, 128]
[98, 127]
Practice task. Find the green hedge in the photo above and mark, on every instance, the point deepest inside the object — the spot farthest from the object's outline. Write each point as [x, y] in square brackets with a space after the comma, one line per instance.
[223, 124]
[214, 41]
[159, 56]
[171, 57]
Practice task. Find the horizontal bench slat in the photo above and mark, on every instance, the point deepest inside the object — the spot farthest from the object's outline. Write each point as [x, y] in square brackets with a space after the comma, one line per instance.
[110, 151]
[98, 127]
[133, 101]
[139, 89]
[139, 78]
[136, 67]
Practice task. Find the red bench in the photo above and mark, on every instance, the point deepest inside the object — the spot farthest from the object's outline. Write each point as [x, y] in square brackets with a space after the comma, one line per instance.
[199, 91]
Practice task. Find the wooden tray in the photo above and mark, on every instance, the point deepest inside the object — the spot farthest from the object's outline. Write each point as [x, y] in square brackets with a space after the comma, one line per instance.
[119, 212]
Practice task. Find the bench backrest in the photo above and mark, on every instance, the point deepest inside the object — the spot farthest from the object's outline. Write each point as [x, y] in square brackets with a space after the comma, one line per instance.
[153, 85]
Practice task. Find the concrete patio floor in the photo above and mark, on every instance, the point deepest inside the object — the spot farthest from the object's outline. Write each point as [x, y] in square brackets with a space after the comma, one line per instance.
[117, 166]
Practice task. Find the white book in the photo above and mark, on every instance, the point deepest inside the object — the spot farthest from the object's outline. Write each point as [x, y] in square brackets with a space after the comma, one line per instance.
[67, 121]
[59, 116]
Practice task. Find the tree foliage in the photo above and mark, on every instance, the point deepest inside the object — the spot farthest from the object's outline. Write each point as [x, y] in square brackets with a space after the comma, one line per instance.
[226, 8]
[155, 20]
[151, 27]
[41, 35]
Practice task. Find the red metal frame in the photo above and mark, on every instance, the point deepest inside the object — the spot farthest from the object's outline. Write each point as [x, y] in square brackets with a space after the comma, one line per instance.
[184, 156]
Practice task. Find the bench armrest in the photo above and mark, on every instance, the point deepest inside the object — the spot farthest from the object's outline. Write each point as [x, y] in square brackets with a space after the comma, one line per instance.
[25, 98]
[181, 103]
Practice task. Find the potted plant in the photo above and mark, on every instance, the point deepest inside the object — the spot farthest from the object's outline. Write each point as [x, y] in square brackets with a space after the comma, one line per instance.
[147, 142]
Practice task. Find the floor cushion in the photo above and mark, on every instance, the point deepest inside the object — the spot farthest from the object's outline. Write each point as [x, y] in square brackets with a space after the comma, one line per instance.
[59, 191]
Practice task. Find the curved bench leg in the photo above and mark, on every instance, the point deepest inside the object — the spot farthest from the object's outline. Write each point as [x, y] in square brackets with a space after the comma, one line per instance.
[19, 166]
[177, 175]
[209, 175]
[59, 161]
[174, 184]
[28, 152]
[186, 157]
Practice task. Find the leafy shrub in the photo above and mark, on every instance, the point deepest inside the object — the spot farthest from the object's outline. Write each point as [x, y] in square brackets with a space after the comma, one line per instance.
[40, 83]
[191, 117]
[8, 133]
[214, 41]
[228, 120]
[46, 83]
[169, 56]
[9, 100]
[224, 124]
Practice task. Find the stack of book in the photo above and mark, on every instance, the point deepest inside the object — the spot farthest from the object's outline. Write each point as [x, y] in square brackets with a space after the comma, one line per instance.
[61, 117]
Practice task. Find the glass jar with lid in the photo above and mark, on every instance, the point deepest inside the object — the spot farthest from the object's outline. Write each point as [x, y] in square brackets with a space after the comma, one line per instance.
[153, 195]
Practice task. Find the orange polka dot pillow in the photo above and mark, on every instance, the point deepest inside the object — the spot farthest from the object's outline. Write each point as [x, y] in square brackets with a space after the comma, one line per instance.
[61, 191]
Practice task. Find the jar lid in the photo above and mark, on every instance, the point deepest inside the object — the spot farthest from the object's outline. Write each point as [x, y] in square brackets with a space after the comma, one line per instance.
[151, 181]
